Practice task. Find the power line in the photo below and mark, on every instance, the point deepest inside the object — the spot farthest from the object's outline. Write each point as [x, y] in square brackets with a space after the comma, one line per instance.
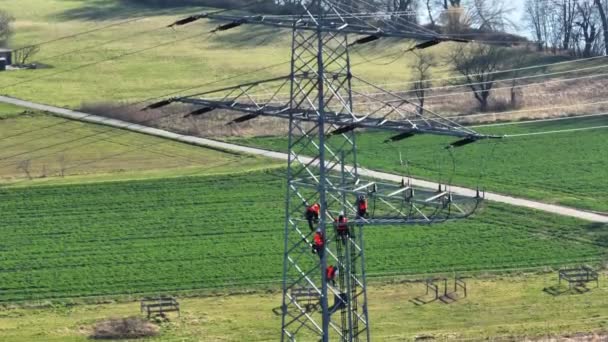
[97, 45]
[126, 132]
[555, 132]
[540, 120]
[156, 98]
[82, 33]
[102, 61]
[518, 86]
[503, 80]
[532, 110]
[536, 66]
[476, 83]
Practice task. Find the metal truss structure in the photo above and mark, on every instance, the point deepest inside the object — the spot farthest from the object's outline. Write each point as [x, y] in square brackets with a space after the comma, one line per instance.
[323, 166]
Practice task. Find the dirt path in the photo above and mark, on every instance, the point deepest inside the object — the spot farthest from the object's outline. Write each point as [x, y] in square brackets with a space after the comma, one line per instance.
[70, 114]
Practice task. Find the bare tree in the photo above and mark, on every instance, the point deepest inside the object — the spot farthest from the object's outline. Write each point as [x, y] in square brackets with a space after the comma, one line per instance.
[5, 27]
[587, 22]
[477, 63]
[24, 54]
[536, 18]
[447, 4]
[517, 62]
[555, 29]
[422, 73]
[25, 166]
[602, 11]
[490, 16]
[567, 12]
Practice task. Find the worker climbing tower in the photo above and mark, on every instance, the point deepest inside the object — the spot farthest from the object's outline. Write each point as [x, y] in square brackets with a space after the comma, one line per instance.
[322, 165]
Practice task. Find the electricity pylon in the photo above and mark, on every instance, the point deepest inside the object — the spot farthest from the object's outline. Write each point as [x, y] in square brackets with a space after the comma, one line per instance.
[323, 166]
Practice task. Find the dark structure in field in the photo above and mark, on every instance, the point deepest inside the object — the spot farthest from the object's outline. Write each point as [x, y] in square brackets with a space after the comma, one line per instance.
[439, 289]
[323, 167]
[6, 58]
[579, 276]
[159, 306]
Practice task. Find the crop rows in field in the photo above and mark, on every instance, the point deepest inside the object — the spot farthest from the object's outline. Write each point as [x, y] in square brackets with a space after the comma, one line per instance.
[568, 168]
[207, 232]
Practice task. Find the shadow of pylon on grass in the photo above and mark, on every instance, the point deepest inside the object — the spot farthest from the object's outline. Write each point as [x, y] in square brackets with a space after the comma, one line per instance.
[419, 301]
[449, 298]
[557, 291]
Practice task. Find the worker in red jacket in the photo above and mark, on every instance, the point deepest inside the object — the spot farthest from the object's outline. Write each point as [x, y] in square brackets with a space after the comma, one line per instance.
[361, 206]
[312, 215]
[318, 243]
[332, 273]
[341, 224]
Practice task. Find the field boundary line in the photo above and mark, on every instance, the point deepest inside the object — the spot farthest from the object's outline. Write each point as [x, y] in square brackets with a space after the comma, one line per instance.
[209, 143]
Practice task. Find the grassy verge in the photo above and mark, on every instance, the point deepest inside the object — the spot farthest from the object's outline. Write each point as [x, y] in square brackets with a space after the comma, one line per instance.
[177, 234]
[505, 307]
[568, 168]
[57, 151]
[9, 111]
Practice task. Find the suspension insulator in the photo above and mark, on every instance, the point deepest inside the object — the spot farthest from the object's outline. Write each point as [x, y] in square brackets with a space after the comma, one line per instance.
[201, 111]
[244, 118]
[365, 40]
[400, 137]
[159, 104]
[343, 130]
[428, 44]
[462, 142]
[188, 20]
[228, 26]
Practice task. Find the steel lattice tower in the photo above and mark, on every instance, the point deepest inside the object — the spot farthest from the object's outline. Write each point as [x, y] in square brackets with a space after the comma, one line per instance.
[322, 163]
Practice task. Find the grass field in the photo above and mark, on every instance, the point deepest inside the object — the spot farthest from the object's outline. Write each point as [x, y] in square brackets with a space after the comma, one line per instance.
[568, 168]
[510, 308]
[155, 72]
[8, 111]
[87, 152]
[186, 63]
[207, 232]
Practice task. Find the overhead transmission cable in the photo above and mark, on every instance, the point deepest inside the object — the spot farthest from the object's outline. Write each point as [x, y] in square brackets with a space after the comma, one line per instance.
[96, 29]
[101, 61]
[104, 43]
[503, 71]
[571, 130]
[503, 80]
[182, 90]
[496, 81]
[530, 110]
[178, 23]
[577, 117]
[518, 86]
[133, 104]
[159, 97]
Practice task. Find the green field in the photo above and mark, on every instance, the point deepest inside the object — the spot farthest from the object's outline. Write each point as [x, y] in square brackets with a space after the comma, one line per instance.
[566, 168]
[188, 233]
[499, 309]
[87, 152]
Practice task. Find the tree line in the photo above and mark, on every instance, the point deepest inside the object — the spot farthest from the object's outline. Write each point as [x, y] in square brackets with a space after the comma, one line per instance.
[570, 25]
[579, 27]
